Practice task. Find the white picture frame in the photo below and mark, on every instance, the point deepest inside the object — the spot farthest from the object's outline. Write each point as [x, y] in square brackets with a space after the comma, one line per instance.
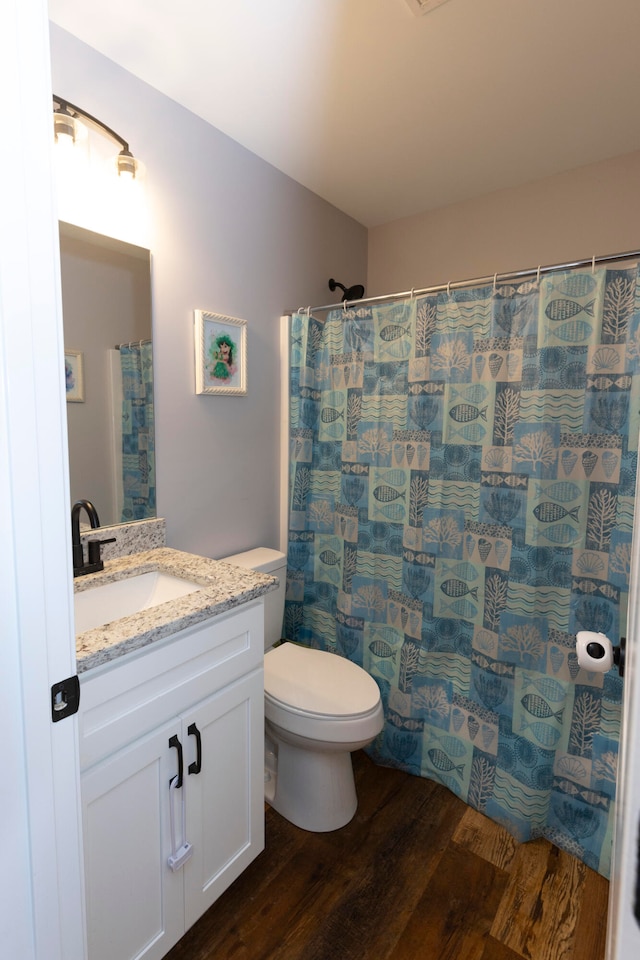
[220, 354]
[74, 375]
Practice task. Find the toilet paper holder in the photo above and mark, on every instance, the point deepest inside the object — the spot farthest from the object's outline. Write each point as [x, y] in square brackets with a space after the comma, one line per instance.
[597, 654]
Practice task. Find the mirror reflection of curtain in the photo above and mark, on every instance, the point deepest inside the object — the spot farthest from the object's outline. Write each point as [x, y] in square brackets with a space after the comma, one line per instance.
[138, 439]
[462, 485]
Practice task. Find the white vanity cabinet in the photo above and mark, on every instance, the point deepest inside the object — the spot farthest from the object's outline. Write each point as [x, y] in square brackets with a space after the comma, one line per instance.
[199, 693]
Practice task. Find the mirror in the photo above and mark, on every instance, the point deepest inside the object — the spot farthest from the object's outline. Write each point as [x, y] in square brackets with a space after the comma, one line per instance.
[106, 302]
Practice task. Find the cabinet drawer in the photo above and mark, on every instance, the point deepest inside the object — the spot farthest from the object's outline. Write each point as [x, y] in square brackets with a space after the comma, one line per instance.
[126, 698]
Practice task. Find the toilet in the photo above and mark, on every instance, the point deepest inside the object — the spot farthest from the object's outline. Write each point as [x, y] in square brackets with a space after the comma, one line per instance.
[319, 707]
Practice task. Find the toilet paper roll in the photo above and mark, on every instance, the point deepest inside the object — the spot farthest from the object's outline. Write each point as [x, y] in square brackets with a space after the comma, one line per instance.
[595, 651]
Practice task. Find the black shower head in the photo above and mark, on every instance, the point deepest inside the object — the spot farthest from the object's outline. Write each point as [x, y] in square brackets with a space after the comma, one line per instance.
[350, 293]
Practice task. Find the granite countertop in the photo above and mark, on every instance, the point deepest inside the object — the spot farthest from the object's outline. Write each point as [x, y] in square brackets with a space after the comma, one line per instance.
[224, 586]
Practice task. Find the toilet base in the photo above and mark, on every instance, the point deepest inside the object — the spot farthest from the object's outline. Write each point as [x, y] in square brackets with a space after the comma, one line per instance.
[314, 790]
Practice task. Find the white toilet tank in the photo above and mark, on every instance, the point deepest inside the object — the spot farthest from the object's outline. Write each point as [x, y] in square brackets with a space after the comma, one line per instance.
[265, 560]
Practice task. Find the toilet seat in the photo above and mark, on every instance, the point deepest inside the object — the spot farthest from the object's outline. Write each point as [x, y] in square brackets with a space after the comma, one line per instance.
[320, 696]
[318, 684]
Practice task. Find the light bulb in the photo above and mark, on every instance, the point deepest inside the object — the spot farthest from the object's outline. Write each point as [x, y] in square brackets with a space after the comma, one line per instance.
[67, 129]
[127, 165]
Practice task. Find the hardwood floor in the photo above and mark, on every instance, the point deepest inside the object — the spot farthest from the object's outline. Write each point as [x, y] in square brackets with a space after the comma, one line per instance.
[416, 874]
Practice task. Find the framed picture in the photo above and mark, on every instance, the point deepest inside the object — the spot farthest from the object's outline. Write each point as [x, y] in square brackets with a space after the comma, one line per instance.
[221, 354]
[74, 376]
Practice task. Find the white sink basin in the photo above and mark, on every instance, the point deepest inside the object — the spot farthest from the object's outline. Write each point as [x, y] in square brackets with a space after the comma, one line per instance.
[111, 601]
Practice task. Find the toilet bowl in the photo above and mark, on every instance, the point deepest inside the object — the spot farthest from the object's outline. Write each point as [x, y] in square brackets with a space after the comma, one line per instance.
[319, 707]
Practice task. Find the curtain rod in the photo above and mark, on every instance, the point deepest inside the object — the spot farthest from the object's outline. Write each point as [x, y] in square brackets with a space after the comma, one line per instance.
[478, 281]
[132, 343]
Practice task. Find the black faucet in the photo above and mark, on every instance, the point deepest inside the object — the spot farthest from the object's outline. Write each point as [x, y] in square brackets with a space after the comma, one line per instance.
[95, 563]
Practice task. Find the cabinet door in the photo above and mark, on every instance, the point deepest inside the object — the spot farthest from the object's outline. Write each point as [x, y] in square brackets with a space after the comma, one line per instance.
[134, 901]
[225, 799]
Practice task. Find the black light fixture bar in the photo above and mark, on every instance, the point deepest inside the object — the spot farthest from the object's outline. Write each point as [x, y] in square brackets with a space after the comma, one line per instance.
[126, 162]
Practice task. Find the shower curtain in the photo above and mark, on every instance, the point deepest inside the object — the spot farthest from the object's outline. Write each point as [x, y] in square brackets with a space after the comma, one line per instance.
[138, 440]
[462, 478]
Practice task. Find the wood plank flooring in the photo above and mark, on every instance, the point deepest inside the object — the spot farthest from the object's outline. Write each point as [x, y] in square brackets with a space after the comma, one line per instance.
[416, 874]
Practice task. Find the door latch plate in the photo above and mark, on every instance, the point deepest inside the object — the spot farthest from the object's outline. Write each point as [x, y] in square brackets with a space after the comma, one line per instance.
[65, 698]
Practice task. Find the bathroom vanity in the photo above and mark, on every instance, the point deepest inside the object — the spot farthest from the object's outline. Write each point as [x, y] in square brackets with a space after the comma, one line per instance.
[171, 753]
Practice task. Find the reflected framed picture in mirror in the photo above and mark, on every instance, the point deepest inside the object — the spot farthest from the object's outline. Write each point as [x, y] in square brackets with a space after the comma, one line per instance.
[220, 354]
[74, 376]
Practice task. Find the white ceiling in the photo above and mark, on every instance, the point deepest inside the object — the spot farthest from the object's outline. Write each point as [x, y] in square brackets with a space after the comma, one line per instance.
[381, 112]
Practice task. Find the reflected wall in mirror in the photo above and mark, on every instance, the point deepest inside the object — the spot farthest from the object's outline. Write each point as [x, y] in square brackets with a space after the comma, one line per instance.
[106, 302]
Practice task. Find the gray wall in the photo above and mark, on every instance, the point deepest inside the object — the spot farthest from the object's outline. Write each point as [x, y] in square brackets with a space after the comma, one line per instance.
[593, 209]
[232, 235]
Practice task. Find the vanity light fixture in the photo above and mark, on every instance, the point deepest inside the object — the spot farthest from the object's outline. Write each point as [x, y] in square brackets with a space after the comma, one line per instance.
[67, 126]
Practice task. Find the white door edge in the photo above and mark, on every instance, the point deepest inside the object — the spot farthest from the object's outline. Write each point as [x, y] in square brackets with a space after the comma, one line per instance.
[41, 896]
[623, 930]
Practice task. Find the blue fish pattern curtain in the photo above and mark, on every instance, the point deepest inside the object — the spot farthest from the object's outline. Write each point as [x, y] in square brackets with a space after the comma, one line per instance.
[138, 438]
[462, 480]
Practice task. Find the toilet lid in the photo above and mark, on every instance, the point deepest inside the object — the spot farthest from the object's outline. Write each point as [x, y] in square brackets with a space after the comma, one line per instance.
[317, 682]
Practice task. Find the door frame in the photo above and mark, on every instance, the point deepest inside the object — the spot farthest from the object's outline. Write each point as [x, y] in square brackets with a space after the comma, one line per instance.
[41, 895]
[623, 929]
